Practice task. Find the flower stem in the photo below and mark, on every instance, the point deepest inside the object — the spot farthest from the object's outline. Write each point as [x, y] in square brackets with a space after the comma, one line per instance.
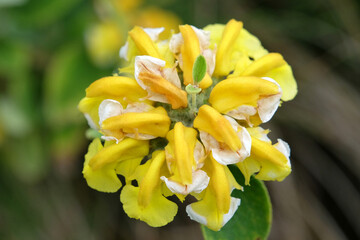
[193, 104]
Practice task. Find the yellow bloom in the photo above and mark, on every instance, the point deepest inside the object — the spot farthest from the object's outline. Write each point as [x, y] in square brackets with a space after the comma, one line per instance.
[269, 162]
[272, 66]
[247, 98]
[122, 89]
[139, 125]
[192, 130]
[101, 162]
[217, 206]
[146, 202]
[184, 156]
[187, 46]
[162, 84]
[144, 43]
[235, 45]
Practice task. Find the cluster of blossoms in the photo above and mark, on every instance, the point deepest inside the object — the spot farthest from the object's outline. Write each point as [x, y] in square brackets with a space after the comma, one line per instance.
[168, 134]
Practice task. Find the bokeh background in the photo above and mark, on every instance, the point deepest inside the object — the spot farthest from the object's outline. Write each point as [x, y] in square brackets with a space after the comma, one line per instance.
[50, 51]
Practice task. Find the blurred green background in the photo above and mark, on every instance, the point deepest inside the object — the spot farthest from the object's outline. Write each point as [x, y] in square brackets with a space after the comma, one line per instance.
[50, 51]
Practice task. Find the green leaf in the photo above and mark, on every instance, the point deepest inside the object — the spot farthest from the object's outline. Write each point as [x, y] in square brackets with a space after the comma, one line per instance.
[252, 220]
[199, 69]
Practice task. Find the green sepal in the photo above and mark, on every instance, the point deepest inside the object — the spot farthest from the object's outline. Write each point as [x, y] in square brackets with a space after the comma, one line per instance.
[199, 69]
[191, 89]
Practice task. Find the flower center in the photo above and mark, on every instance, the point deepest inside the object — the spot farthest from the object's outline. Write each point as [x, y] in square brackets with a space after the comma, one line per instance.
[188, 114]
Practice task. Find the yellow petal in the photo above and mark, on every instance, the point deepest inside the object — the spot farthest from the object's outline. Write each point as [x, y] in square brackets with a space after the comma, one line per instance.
[105, 179]
[220, 185]
[90, 107]
[274, 161]
[274, 66]
[158, 212]
[211, 121]
[144, 43]
[249, 45]
[154, 122]
[141, 171]
[206, 212]
[243, 47]
[116, 87]
[181, 147]
[270, 162]
[151, 179]
[221, 152]
[248, 167]
[223, 54]
[217, 206]
[190, 50]
[128, 167]
[200, 181]
[176, 96]
[235, 92]
[127, 149]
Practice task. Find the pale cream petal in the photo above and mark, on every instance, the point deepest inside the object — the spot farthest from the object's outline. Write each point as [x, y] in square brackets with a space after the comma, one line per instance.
[225, 156]
[147, 64]
[199, 155]
[124, 51]
[154, 32]
[221, 153]
[90, 121]
[111, 138]
[172, 76]
[210, 58]
[109, 108]
[140, 136]
[208, 141]
[137, 107]
[195, 216]
[156, 97]
[242, 112]
[267, 106]
[153, 65]
[235, 203]
[244, 137]
[259, 133]
[175, 43]
[200, 182]
[203, 36]
[284, 148]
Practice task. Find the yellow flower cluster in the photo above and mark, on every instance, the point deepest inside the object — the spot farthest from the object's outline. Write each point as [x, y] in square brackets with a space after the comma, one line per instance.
[166, 140]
